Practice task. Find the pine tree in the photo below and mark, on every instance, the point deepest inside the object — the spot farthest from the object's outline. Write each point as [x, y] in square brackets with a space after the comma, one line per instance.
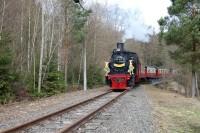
[182, 28]
[6, 76]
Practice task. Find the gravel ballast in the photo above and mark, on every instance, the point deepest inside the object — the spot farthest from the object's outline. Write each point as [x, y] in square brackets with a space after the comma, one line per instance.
[130, 114]
[16, 113]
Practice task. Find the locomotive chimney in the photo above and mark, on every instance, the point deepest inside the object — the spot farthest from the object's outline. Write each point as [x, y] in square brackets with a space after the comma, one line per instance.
[120, 46]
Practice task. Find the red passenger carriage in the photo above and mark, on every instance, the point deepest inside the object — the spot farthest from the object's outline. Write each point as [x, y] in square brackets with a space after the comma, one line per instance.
[124, 69]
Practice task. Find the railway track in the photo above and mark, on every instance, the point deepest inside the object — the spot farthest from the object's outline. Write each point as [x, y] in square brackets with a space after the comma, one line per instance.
[68, 119]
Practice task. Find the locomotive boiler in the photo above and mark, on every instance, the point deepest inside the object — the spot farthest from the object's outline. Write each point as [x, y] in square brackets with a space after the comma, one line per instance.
[122, 69]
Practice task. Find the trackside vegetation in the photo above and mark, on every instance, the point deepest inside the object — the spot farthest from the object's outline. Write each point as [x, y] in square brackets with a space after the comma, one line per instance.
[7, 76]
[182, 28]
[58, 37]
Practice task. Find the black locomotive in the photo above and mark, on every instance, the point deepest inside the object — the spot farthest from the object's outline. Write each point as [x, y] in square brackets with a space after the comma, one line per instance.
[120, 63]
[124, 70]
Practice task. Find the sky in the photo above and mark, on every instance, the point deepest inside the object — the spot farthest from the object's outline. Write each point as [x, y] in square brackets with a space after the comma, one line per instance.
[148, 13]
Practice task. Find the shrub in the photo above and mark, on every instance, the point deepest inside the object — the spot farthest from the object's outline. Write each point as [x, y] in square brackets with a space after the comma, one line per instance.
[54, 83]
[95, 77]
[6, 75]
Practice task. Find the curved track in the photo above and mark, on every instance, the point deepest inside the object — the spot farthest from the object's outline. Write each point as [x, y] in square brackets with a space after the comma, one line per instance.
[70, 118]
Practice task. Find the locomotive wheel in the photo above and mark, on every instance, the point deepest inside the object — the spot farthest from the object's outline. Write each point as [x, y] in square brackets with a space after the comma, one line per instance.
[108, 82]
[131, 82]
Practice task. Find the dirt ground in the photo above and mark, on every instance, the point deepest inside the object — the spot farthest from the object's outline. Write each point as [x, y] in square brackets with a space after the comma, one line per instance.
[174, 113]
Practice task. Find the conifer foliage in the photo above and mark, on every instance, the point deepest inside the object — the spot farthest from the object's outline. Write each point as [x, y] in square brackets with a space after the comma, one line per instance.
[182, 28]
[6, 77]
[48, 43]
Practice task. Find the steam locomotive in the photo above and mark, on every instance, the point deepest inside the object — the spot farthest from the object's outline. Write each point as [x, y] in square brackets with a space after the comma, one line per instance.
[124, 70]
[120, 76]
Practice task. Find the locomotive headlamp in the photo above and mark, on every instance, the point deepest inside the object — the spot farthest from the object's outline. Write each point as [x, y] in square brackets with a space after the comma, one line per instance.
[119, 65]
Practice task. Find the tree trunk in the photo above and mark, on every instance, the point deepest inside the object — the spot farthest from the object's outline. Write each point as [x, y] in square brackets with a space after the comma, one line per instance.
[33, 46]
[52, 38]
[2, 20]
[41, 54]
[59, 56]
[193, 84]
[95, 37]
[197, 88]
[49, 61]
[21, 38]
[81, 62]
[85, 67]
[194, 87]
[66, 72]
[60, 45]
[29, 36]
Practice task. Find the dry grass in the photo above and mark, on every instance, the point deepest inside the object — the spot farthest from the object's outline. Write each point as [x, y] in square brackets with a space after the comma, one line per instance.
[174, 113]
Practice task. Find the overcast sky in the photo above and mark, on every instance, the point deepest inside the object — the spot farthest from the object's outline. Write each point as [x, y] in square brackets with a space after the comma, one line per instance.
[149, 12]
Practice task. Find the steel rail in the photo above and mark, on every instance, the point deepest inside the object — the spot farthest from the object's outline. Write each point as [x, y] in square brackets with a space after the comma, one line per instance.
[42, 118]
[83, 120]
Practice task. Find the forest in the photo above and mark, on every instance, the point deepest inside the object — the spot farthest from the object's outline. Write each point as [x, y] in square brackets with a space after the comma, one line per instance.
[42, 45]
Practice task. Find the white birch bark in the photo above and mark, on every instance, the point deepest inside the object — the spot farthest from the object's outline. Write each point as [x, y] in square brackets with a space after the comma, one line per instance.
[52, 38]
[80, 67]
[41, 54]
[85, 67]
[58, 53]
[33, 46]
[61, 35]
[29, 36]
[49, 61]
[21, 37]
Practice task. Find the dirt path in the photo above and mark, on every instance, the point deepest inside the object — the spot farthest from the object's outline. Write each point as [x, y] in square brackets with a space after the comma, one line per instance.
[174, 113]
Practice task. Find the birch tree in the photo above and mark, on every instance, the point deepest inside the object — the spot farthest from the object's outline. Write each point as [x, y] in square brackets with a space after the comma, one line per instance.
[41, 52]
